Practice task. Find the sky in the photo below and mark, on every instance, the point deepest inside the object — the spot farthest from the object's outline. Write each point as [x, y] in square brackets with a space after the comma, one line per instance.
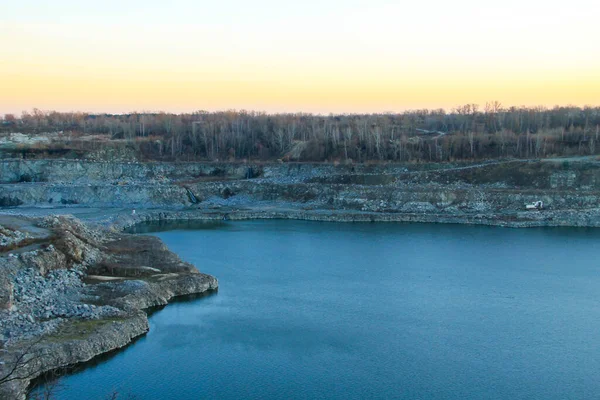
[319, 56]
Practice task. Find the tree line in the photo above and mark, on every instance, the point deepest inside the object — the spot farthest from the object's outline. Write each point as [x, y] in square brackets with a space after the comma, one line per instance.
[468, 132]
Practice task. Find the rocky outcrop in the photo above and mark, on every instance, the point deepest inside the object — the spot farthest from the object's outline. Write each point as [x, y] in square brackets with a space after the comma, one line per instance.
[11, 238]
[69, 344]
[79, 292]
[82, 171]
[459, 192]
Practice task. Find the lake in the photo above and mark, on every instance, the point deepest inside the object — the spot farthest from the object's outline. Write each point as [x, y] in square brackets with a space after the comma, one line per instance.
[309, 310]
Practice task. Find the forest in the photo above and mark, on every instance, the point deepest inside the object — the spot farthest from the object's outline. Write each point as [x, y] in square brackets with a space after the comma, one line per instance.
[468, 132]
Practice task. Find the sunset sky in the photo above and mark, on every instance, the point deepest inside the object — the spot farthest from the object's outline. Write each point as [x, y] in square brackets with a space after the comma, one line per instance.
[313, 56]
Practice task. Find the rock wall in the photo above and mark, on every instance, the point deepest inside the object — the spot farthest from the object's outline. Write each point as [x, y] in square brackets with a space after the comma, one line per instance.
[449, 189]
[80, 171]
[513, 173]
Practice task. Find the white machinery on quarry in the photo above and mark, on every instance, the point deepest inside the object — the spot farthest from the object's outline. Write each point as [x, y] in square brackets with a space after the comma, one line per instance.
[538, 205]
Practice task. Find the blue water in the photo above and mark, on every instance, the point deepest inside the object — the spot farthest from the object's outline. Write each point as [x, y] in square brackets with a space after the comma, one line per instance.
[311, 310]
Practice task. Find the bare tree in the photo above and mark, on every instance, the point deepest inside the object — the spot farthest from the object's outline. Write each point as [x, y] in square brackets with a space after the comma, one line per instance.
[19, 366]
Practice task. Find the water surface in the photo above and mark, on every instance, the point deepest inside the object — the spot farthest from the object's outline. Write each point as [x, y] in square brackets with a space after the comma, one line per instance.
[309, 310]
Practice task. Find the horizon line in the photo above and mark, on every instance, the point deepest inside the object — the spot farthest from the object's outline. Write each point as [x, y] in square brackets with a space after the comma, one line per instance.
[453, 110]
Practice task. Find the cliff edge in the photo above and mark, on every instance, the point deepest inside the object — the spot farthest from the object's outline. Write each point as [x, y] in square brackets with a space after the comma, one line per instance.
[69, 292]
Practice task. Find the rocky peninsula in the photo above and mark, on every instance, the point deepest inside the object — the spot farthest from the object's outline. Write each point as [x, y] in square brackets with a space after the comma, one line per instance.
[70, 292]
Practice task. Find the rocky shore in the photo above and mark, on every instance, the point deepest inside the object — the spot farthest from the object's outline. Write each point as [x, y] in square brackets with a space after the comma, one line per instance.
[565, 218]
[69, 292]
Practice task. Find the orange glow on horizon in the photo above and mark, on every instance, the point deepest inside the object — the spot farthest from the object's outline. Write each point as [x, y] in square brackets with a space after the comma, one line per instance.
[369, 60]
